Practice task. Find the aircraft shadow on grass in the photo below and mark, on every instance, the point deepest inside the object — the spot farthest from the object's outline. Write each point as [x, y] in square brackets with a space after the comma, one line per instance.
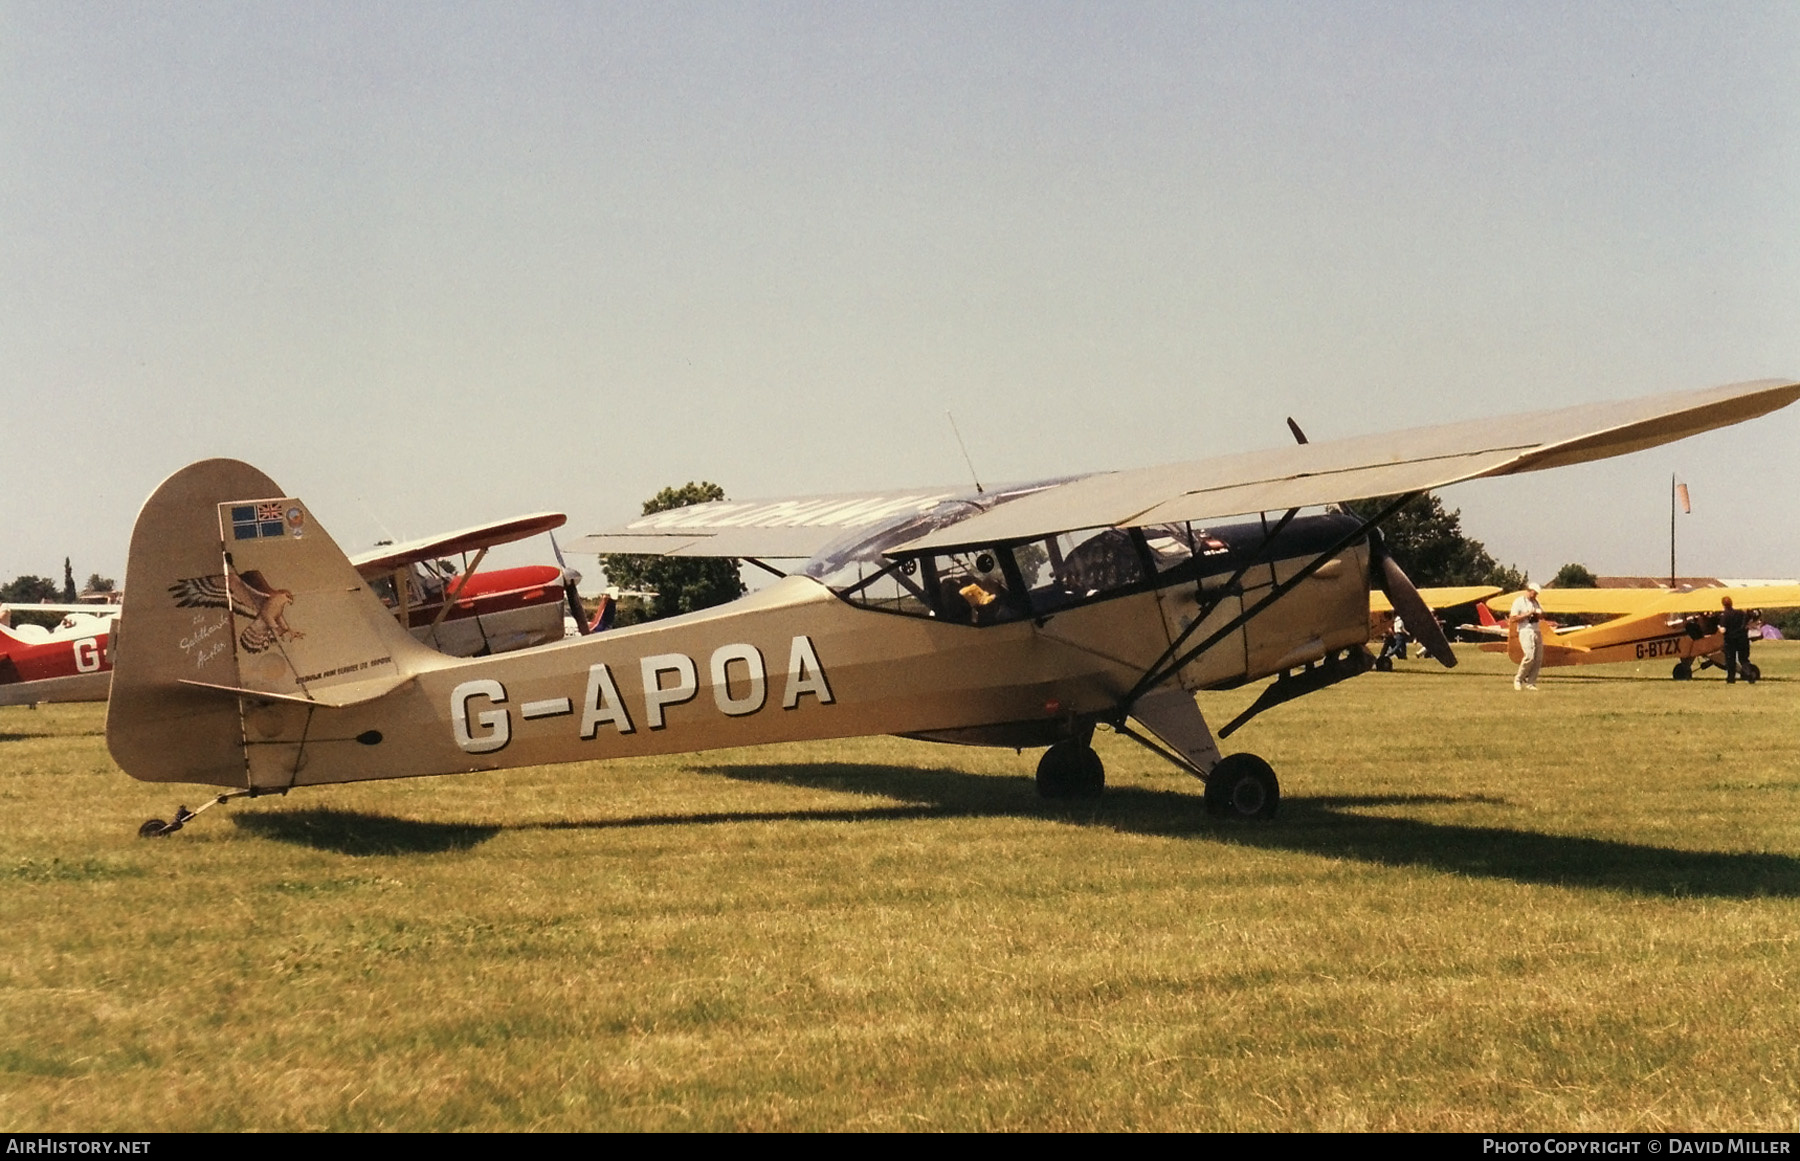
[1327, 826]
[351, 832]
[1331, 827]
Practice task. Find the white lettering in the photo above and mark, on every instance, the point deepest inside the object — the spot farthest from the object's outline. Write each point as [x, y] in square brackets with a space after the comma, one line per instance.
[602, 704]
[801, 660]
[552, 707]
[497, 721]
[655, 696]
[87, 655]
[752, 658]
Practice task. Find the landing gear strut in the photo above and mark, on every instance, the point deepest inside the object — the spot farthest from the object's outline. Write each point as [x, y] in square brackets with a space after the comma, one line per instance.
[157, 828]
[1071, 770]
[1242, 786]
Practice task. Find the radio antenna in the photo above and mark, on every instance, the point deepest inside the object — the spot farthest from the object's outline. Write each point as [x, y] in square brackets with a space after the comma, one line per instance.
[965, 451]
[385, 530]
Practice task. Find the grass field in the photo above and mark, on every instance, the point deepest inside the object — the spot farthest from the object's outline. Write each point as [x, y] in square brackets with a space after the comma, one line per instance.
[1478, 910]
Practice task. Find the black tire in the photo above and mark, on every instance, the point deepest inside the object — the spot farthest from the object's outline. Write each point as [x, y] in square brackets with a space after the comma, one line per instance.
[1684, 671]
[1242, 787]
[1751, 673]
[1071, 770]
[1384, 665]
[153, 828]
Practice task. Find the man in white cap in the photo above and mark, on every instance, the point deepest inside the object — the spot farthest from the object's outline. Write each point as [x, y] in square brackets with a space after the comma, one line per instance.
[1524, 618]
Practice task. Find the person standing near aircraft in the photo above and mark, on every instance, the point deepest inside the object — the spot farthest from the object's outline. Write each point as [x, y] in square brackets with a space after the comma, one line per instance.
[1736, 624]
[1524, 617]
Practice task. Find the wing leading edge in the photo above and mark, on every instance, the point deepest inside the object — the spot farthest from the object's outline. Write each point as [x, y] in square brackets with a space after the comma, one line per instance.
[1419, 459]
[789, 528]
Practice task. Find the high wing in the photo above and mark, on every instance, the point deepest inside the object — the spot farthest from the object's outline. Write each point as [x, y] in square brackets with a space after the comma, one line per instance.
[1447, 598]
[392, 556]
[1295, 477]
[787, 528]
[1416, 460]
[1651, 602]
[1745, 597]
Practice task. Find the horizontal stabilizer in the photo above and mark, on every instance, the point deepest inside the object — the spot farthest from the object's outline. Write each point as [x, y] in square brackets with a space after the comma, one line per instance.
[335, 697]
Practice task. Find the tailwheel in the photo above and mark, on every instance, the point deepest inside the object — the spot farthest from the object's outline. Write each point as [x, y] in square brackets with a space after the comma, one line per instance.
[1242, 786]
[1071, 770]
[1684, 671]
[157, 828]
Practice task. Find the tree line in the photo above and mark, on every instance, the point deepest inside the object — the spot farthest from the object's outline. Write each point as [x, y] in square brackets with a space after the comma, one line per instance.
[37, 590]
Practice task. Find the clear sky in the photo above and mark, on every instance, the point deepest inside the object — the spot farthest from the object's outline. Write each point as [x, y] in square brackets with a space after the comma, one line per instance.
[429, 265]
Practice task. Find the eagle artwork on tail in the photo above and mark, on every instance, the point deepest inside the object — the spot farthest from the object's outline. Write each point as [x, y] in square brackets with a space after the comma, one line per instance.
[248, 595]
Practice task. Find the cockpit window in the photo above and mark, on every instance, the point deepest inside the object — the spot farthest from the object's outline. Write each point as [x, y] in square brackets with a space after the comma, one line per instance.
[970, 587]
[1171, 545]
[1063, 570]
[974, 588]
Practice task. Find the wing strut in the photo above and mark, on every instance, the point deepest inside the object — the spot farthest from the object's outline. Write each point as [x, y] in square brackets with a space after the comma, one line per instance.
[1164, 668]
[462, 583]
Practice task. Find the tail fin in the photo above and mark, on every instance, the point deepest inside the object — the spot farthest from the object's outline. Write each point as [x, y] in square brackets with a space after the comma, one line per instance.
[1485, 615]
[233, 591]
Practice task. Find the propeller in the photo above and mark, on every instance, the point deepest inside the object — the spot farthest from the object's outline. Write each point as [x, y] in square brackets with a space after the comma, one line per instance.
[571, 578]
[1421, 623]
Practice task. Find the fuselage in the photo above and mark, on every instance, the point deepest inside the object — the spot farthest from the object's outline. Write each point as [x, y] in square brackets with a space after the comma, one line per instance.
[70, 663]
[1640, 638]
[800, 659]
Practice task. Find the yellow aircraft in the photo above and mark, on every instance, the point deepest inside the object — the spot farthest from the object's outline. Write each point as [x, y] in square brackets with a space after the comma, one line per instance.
[1024, 616]
[1645, 625]
[1383, 621]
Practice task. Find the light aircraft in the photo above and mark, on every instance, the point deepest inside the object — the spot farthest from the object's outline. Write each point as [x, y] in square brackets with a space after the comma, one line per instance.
[68, 663]
[1023, 616]
[1645, 625]
[1382, 618]
[470, 613]
[463, 613]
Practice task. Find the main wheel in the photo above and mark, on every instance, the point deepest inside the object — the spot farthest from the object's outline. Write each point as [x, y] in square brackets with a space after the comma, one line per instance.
[1684, 671]
[1071, 770]
[1384, 665]
[1242, 786]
